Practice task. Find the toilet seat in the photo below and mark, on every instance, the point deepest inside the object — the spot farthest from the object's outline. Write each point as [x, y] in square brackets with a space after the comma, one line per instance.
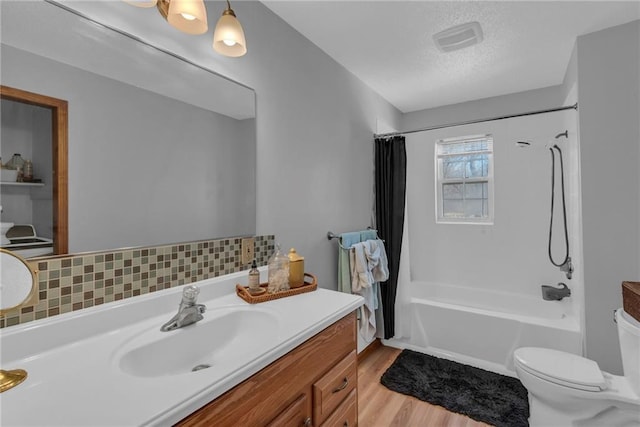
[558, 367]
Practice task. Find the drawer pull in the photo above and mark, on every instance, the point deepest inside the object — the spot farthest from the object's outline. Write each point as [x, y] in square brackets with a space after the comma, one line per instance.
[308, 422]
[344, 385]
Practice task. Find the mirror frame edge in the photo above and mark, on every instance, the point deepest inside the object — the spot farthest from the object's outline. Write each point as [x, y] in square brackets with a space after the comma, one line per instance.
[34, 283]
[59, 144]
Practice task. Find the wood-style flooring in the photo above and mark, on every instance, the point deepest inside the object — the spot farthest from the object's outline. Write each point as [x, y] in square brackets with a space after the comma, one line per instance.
[380, 407]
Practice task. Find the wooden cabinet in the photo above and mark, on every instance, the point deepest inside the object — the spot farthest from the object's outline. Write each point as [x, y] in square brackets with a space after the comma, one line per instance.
[313, 385]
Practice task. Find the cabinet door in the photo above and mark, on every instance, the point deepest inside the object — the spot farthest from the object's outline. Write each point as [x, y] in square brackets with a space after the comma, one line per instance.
[295, 415]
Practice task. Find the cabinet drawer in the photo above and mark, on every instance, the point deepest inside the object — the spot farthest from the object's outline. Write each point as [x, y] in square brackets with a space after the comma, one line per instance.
[334, 386]
[295, 415]
[346, 415]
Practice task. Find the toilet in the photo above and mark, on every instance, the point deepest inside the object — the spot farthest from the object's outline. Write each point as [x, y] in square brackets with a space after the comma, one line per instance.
[570, 390]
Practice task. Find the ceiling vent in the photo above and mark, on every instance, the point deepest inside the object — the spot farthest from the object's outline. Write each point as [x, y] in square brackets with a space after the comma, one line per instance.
[458, 37]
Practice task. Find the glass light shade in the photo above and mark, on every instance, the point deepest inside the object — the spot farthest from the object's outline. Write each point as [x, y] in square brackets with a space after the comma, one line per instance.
[228, 38]
[189, 16]
[142, 3]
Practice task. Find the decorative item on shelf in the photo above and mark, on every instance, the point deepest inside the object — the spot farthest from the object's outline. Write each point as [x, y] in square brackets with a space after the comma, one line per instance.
[8, 175]
[296, 269]
[27, 171]
[190, 16]
[15, 162]
[310, 284]
[278, 272]
[12, 171]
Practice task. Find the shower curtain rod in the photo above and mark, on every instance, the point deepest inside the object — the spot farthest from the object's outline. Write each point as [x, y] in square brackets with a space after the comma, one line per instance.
[469, 122]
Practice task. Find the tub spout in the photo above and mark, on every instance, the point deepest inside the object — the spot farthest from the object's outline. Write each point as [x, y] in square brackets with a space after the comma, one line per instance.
[551, 293]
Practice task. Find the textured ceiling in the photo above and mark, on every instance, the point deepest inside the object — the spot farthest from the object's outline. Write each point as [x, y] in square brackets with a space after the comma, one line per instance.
[389, 45]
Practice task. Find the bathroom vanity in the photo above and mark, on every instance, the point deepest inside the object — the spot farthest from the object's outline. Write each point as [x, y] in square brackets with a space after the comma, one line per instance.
[289, 361]
[314, 385]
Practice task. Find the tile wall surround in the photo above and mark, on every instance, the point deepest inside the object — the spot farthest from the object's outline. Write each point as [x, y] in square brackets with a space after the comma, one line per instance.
[75, 282]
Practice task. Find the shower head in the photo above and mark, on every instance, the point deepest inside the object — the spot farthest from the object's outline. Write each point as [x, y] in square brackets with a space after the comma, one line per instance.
[565, 134]
[539, 142]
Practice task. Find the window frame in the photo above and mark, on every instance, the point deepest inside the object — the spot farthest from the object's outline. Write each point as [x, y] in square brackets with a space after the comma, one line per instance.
[440, 180]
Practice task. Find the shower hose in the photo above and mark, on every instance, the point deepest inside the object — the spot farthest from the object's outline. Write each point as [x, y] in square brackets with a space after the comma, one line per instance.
[564, 206]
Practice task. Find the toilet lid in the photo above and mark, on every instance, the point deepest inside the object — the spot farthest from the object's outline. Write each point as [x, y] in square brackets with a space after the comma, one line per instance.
[561, 368]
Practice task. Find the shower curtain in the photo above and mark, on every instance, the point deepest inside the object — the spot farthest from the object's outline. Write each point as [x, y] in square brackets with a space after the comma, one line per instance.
[390, 190]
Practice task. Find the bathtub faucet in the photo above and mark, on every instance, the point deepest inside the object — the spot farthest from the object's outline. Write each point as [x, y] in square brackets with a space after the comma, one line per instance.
[188, 311]
[551, 293]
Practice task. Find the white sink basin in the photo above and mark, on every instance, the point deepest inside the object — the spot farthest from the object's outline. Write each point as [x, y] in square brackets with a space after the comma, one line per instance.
[224, 335]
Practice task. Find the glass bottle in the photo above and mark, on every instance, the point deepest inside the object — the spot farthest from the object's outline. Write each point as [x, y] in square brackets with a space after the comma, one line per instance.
[278, 272]
[27, 170]
[254, 278]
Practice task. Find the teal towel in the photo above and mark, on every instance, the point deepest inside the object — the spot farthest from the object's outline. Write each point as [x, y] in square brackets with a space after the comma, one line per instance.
[368, 235]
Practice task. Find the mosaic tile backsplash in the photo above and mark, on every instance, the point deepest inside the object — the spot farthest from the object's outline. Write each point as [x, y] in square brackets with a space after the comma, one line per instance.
[75, 282]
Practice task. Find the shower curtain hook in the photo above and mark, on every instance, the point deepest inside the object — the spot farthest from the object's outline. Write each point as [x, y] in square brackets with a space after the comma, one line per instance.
[565, 134]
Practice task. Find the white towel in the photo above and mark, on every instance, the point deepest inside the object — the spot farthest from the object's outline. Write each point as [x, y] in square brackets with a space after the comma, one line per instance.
[368, 263]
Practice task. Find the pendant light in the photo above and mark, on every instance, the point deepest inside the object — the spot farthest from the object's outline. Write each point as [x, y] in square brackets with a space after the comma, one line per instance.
[190, 16]
[228, 37]
[142, 3]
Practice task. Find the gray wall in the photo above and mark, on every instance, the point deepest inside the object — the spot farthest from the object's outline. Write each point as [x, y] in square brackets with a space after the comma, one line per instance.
[496, 106]
[143, 169]
[315, 123]
[608, 92]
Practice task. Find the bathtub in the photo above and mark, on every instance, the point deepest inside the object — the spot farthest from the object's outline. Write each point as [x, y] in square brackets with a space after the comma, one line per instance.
[482, 328]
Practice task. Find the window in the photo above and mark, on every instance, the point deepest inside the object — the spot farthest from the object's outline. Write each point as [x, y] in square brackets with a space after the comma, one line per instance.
[464, 180]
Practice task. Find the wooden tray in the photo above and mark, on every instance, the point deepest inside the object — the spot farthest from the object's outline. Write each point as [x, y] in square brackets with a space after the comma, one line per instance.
[310, 284]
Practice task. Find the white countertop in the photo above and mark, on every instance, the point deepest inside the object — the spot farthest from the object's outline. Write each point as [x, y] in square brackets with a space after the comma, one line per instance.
[74, 360]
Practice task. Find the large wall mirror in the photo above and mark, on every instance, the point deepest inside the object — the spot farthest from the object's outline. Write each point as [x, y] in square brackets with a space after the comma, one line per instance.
[160, 149]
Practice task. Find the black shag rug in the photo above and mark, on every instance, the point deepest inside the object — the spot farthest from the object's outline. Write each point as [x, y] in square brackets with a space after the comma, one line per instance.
[482, 395]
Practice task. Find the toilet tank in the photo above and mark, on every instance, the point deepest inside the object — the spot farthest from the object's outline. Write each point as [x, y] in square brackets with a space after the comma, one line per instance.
[629, 335]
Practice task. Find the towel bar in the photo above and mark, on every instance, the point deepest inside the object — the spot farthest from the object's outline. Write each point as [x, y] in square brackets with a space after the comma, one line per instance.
[331, 235]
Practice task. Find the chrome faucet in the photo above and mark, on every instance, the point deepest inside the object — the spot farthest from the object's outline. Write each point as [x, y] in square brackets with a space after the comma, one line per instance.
[188, 311]
[551, 293]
